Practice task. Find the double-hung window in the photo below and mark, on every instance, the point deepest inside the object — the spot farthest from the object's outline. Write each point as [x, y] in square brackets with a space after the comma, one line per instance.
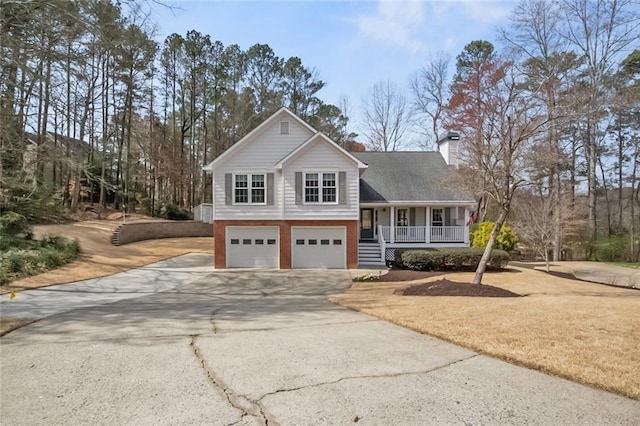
[249, 188]
[320, 188]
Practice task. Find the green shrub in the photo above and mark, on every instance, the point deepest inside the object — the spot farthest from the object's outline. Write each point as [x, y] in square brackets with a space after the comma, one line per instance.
[4, 277]
[51, 258]
[53, 241]
[6, 243]
[73, 249]
[38, 256]
[371, 276]
[610, 249]
[397, 255]
[173, 212]
[481, 233]
[14, 261]
[456, 259]
[15, 225]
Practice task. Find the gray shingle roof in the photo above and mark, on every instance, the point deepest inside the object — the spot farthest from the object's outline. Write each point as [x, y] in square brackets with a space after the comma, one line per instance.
[410, 176]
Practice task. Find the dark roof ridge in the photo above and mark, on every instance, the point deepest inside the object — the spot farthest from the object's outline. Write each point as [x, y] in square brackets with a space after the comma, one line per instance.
[398, 152]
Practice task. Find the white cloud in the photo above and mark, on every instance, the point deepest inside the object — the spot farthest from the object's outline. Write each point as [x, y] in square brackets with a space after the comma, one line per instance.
[488, 12]
[394, 23]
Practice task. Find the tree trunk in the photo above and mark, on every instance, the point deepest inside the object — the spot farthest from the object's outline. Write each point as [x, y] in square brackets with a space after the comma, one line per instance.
[546, 259]
[482, 266]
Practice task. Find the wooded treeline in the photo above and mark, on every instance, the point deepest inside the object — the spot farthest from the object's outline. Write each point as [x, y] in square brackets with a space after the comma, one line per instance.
[151, 114]
[93, 109]
[549, 122]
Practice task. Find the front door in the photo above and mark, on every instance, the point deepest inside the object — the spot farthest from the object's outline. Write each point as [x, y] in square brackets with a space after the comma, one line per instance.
[366, 224]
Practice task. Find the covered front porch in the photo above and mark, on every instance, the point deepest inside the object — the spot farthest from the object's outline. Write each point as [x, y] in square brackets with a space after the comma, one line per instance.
[386, 227]
[424, 225]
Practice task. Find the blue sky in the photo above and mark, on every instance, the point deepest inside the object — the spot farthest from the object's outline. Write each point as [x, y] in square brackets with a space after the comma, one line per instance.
[352, 44]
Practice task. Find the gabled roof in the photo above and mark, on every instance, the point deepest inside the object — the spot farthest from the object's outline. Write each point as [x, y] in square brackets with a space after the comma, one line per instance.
[265, 124]
[410, 177]
[318, 137]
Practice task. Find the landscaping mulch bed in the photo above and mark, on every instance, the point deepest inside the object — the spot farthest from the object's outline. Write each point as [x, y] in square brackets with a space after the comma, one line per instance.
[395, 275]
[445, 287]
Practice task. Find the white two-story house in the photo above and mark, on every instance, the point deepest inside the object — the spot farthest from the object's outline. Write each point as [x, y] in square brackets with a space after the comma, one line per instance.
[286, 196]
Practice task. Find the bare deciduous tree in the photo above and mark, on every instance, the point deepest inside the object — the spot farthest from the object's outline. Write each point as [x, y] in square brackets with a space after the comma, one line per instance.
[512, 120]
[535, 222]
[599, 31]
[387, 116]
[430, 94]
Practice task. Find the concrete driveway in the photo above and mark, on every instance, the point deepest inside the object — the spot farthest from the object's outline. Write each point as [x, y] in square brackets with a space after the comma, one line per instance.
[251, 347]
[604, 273]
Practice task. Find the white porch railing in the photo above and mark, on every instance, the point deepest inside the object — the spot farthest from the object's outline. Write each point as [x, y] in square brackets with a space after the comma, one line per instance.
[383, 244]
[415, 234]
[447, 233]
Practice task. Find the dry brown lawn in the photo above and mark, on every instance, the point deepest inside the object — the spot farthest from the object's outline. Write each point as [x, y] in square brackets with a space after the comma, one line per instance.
[585, 332]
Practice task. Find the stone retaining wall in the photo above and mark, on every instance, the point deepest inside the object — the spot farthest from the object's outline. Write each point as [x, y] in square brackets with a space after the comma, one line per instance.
[139, 231]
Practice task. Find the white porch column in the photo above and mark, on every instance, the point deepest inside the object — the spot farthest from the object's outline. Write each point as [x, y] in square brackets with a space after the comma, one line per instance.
[466, 225]
[427, 224]
[392, 222]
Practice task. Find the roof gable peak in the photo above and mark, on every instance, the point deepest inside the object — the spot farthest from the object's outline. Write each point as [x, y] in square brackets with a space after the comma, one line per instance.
[276, 116]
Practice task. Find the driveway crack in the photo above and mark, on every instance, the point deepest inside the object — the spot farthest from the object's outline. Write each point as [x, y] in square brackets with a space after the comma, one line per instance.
[371, 376]
[247, 407]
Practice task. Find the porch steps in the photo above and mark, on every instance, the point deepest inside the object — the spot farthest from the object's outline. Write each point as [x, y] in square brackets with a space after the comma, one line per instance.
[369, 254]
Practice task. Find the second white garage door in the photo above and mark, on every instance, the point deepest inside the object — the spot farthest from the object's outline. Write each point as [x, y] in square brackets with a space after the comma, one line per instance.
[319, 247]
[252, 247]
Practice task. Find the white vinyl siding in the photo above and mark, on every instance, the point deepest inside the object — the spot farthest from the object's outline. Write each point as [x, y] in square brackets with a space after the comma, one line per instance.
[321, 157]
[258, 156]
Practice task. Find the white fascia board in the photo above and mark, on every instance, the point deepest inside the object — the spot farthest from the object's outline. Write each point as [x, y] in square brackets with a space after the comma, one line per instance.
[418, 203]
[246, 217]
[251, 134]
[322, 218]
[311, 141]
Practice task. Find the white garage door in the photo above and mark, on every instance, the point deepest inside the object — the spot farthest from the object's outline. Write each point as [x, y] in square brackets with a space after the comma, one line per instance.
[253, 247]
[319, 247]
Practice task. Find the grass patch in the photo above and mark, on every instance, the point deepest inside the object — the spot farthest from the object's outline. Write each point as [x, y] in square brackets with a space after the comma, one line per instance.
[632, 265]
[585, 332]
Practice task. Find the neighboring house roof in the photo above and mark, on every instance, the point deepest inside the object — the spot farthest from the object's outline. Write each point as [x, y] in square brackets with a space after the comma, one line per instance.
[275, 117]
[410, 177]
[319, 138]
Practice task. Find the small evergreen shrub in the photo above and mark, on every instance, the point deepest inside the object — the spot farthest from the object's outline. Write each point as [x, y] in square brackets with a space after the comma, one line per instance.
[51, 258]
[610, 249]
[4, 277]
[173, 212]
[367, 277]
[6, 243]
[54, 241]
[456, 259]
[14, 261]
[15, 225]
[29, 257]
[481, 233]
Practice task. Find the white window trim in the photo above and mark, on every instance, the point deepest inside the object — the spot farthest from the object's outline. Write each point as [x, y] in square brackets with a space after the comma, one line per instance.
[249, 176]
[320, 187]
